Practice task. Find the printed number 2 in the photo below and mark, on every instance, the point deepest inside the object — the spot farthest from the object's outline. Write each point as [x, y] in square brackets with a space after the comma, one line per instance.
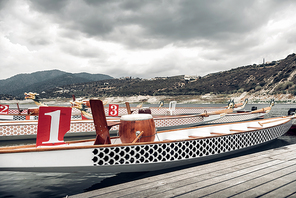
[3, 108]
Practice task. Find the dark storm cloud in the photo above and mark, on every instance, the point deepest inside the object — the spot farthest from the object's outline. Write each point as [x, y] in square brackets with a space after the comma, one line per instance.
[144, 38]
[52, 6]
[161, 22]
[2, 3]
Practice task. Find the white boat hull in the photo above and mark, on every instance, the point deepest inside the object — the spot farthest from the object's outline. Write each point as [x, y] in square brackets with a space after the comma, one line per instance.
[160, 154]
[141, 167]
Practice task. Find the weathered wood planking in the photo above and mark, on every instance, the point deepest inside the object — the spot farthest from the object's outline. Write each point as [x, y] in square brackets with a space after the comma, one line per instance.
[270, 173]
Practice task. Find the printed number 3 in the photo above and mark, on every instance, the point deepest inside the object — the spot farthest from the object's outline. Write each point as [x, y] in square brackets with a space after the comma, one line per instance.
[114, 110]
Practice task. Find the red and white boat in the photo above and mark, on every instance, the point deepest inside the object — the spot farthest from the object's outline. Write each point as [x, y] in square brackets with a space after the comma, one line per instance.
[18, 114]
[81, 109]
[17, 130]
[172, 109]
[13, 130]
[139, 147]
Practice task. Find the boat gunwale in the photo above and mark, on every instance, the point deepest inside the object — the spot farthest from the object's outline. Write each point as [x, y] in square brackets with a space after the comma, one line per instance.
[34, 122]
[244, 113]
[111, 119]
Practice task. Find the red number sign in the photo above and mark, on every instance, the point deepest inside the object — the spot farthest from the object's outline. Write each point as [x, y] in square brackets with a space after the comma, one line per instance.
[113, 109]
[4, 109]
[53, 124]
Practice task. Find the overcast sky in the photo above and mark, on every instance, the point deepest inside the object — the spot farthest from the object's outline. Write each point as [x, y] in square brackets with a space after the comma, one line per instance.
[143, 38]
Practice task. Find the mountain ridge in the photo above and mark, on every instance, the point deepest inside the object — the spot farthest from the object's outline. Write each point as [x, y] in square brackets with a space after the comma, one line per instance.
[43, 80]
[276, 77]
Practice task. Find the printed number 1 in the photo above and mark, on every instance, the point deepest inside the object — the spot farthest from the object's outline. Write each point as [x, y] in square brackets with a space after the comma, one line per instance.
[53, 124]
[54, 127]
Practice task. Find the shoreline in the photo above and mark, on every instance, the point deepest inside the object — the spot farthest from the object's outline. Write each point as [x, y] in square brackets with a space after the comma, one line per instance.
[181, 99]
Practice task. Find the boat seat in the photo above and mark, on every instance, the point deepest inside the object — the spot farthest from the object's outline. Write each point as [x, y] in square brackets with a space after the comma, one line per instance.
[224, 129]
[196, 137]
[254, 124]
[238, 127]
[218, 134]
[172, 107]
[254, 128]
[236, 131]
[200, 133]
[229, 129]
[172, 136]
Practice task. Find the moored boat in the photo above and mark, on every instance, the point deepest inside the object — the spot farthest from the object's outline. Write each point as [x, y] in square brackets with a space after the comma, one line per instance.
[16, 130]
[13, 130]
[244, 116]
[81, 109]
[172, 109]
[292, 112]
[83, 112]
[138, 148]
[18, 114]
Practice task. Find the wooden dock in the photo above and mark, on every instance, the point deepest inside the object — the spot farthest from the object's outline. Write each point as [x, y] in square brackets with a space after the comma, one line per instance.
[270, 173]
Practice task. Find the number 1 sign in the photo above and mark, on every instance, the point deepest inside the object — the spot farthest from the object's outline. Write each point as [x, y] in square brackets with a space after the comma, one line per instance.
[53, 124]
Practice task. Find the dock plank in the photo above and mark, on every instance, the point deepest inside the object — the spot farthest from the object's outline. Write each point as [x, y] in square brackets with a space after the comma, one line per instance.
[244, 182]
[269, 185]
[207, 186]
[183, 176]
[206, 169]
[285, 191]
[179, 183]
[262, 173]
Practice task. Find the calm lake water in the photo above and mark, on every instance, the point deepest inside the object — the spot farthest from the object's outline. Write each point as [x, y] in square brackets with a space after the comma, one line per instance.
[22, 184]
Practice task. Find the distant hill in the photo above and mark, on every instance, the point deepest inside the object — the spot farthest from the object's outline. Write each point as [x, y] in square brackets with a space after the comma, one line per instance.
[45, 80]
[276, 77]
[269, 78]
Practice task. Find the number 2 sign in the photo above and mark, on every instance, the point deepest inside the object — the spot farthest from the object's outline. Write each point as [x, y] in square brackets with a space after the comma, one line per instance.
[4, 109]
[113, 109]
[53, 124]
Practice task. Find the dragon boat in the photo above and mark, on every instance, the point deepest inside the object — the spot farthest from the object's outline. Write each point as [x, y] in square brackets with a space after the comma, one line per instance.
[81, 109]
[292, 112]
[139, 147]
[18, 114]
[17, 130]
[83, 128]
[84, 107]
[244, 116]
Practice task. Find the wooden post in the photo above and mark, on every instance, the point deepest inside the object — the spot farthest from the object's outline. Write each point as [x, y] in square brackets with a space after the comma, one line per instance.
[128, 108]
[18, 108]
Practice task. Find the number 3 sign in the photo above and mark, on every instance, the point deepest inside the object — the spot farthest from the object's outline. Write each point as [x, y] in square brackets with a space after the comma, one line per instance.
[53, 124]
[113, 109]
